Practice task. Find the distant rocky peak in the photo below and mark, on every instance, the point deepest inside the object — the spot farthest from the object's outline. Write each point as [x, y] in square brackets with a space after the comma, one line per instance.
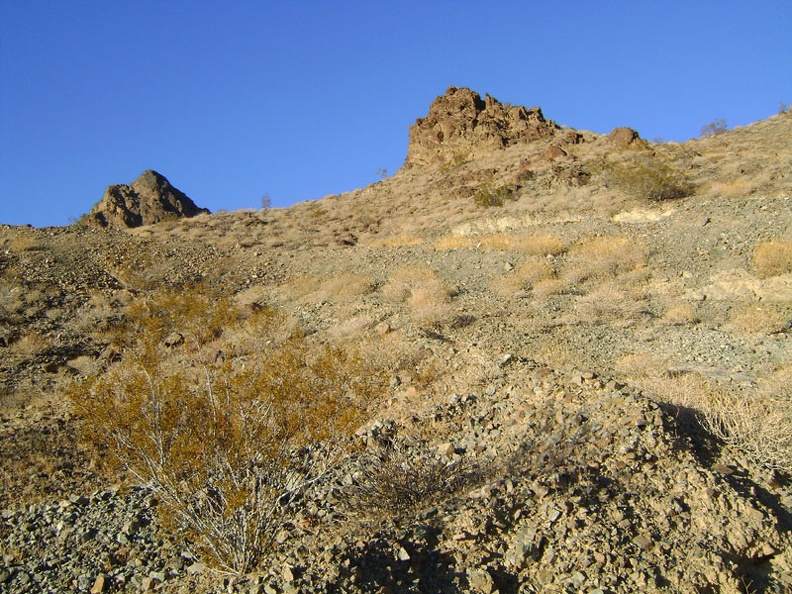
[149, 199]
[461, 125]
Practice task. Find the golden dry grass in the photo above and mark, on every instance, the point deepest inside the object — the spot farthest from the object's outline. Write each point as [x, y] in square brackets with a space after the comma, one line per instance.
[599, 258]
[530, 272]
[537, 244]
[766, 319]
[610, 304]
[728, 189]
[422, 290]
[773, 258]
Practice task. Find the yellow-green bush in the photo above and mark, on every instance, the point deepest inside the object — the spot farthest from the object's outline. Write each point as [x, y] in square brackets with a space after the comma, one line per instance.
[228, 446]
[648, 177]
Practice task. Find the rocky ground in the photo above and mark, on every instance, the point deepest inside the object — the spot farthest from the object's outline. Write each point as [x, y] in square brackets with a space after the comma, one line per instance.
[557, 356]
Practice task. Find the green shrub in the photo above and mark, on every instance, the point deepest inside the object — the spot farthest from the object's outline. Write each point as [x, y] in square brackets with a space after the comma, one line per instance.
[488, 194]
[647, 176]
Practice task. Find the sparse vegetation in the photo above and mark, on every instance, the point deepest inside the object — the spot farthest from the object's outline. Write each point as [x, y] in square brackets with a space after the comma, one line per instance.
[489, 194]
[400, 477]
[715, 127]
[773, 258]
[422, 290]
[227, 446]
[649, 177]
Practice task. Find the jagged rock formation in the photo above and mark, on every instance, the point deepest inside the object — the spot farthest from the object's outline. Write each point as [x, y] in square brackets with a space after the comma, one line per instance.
[149, 199]
[461, 125]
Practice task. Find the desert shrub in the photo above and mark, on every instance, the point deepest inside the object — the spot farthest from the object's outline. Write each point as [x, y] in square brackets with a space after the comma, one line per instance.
[608, 304]
[765, 319]
[773, 258]
[647, 176]
[228, 446]
[600, 258]
[488, 194]
[199, 313]
[715, 127]
[422, 290]
[400, 477]
[759, 423]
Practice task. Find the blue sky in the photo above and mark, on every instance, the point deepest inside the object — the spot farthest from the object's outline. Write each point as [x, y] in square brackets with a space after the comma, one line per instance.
[236, 99]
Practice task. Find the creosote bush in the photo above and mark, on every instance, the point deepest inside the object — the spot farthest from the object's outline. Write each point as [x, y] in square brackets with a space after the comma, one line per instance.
[488, 194]
[649, 177]
[227, 447]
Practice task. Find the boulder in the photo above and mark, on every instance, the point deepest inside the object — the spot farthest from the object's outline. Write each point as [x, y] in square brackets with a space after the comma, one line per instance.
[149, 199]
[461, 125]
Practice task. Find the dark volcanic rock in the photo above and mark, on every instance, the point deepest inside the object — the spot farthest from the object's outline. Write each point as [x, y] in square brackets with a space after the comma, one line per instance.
[147, 200]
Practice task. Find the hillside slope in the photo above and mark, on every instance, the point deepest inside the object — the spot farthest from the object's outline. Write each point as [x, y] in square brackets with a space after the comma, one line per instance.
[595, 382]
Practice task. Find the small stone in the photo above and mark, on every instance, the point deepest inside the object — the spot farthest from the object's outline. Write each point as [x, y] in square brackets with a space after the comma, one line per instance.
[382, 328]
[99, 584]
[287, 573]
[481, 581]
[644, 541]
[505, 360]
[174, 339]
[446, 449]
[196, 568]
[402, 554]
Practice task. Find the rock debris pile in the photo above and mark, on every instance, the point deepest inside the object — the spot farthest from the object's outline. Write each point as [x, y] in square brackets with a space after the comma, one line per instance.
[583, 487]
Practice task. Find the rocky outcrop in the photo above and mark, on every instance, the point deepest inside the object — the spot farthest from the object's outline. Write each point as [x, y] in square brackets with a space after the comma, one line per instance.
[461, 125]
[149, 199]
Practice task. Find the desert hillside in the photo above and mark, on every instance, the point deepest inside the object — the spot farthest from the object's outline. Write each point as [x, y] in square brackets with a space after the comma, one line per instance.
[535, 359]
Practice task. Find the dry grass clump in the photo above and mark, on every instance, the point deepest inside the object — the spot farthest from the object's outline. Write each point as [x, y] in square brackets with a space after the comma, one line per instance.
[767, 319]
[773, 258]
[341, 287]
[395, 241]
[612, 305]
[528, 274]
[227, 445]
[422, 290]
[757, 422]
[735, 187]
[537, 244]
[600, 258]
[679, 314]
[641, 365]
[456, 242]
[29, 344]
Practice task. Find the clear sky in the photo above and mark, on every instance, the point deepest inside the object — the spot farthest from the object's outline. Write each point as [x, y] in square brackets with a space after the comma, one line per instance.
[234, 99]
